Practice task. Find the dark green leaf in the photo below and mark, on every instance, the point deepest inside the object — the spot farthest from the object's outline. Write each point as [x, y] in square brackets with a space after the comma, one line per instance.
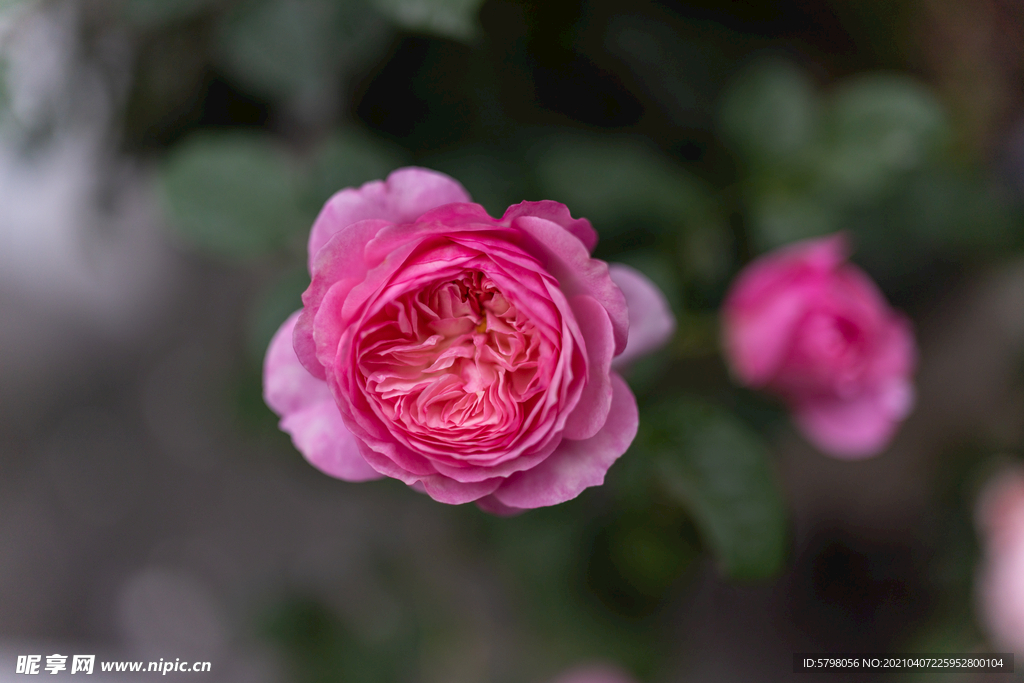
[720, 471]
[770, 113]
[231, 195]
[277, 46]
[878, 126]
[295, 48]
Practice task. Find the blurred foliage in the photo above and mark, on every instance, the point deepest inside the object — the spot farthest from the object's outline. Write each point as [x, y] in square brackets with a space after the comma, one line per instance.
[234, 196]
[154, 13]
[450, 18]
[294, 49]
[719, 470]
[321, 648]
[872, 155]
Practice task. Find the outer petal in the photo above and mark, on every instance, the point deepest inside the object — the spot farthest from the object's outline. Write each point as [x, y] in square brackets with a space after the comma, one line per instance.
[565, 257]
[287, 385]
[591, 413]
[403, 197]
[555, 212]
[496, 507]
[445, 490]
[651, 322]
[576, 465]
[860, 427]
[319, 433]
[340, 265]
[309, 413]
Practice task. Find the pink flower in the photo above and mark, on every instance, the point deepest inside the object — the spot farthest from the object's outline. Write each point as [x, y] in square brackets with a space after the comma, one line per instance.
[469, 357]
[804, 324]
[1000, 521]
[595, 673]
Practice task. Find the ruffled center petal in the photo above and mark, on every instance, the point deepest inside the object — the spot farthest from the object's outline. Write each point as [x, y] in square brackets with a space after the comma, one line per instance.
[457, 362]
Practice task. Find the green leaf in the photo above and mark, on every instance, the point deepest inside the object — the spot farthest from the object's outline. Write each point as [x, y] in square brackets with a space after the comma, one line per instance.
[879, 126]
[614, 181]
[277, 46]
[446, 18]
[231, 195]
[294, 48]
[719, 470]
[770, 113]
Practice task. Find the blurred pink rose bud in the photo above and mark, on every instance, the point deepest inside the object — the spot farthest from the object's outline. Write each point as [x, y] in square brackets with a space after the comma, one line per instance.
[804, 324]
[595, 673]
[1000, 521]
[469, 357]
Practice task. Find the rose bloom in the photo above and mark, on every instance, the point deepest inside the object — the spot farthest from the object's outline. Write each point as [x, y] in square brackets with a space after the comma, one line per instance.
[807, 326]
[1000, 587]
[469, 357]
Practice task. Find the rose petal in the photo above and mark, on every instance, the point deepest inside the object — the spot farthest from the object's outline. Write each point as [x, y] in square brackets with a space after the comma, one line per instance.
[445, 490]
[556, 212]
[591, 411]
[308, 412]
[496, 507]
[403, 197]
[339, 265]
[769, 298]
[319, 433]
[287, 385]
[651, 322]
[576, 465]
[564, 256]
[860, 427]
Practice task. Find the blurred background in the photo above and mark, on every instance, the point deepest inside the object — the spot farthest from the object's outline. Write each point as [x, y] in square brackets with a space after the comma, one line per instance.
[161, 162]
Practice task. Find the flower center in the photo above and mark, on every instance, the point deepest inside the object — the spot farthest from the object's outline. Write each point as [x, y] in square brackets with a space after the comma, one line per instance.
[454, 361]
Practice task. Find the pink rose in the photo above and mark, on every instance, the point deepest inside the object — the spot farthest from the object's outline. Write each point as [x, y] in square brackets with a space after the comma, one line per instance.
[806, 325]
[469, 357]
[595, 673]
[1000, 520]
